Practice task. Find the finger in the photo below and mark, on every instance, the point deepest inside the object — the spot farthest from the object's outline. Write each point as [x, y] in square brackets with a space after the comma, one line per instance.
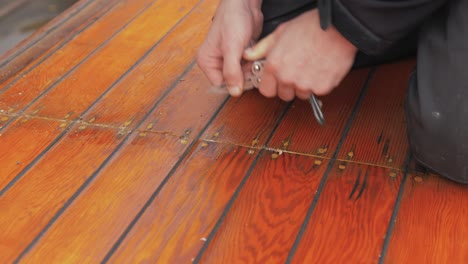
[261, 49]
[303, 95]
[233, 74]
[211, 67]
[268, 85]
[286, 93]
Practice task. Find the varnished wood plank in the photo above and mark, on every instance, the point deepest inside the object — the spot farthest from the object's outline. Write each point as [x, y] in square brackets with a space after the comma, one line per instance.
[30, 204]
[181, 247]
[134, 95]
[55, 33]
[45, 74]
[126, 105]
[78, 91]
[22, 142]
[262, 239]
[246, 121]
[360, 178]
[431, 224]
[173, 232]
[153, 153]
[378, 135]
[267, 215]
[301, 133]
[351, 217]
[170, 131]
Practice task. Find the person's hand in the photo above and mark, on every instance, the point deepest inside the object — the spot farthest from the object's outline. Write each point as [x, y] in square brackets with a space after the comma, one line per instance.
[235, 25]
[301, 58]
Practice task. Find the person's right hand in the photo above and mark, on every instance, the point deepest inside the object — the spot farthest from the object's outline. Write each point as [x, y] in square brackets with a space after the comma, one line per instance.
[235, 25]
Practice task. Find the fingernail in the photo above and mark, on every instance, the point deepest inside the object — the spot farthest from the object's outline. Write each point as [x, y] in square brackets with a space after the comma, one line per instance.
[234, 90]
[249, 51]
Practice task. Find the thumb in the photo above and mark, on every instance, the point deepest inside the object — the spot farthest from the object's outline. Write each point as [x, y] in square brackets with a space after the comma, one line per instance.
[261, 49]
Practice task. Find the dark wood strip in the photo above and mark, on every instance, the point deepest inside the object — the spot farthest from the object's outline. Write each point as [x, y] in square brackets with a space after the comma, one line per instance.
[265, 218]
[431, 224]
[348, 220]
[255, 229]
[378, 136]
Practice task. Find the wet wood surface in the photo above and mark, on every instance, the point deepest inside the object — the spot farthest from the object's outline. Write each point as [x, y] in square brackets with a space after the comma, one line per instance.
[113, 150]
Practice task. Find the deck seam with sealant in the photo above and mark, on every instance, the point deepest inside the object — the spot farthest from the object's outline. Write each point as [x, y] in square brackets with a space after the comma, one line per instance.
[126, 130]
[96, 173]
[396, 209]
[51, 52]
[324, 179]
[129, 70]
[163, 183]
[244, 180]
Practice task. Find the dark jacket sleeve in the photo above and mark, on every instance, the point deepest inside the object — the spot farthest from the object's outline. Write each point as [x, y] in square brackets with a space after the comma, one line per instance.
[374, 25]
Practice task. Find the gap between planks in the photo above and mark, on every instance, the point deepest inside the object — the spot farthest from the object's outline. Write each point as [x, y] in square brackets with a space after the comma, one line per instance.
[125, 130]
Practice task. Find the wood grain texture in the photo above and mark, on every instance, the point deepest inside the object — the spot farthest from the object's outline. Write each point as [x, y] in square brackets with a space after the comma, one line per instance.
[87, 231]
[300, 132]
[199, 190]
[19, 93]
[246, 121]
[23, 141]
[431, 225]
[153, 153]
[378, 134]
[134, 95]
[54, 33]
[29, 204]
[86, 84]
[351, 218]
[265, 218]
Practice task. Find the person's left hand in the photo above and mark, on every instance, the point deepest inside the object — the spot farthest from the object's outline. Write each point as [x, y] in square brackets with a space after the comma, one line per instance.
[301, 58]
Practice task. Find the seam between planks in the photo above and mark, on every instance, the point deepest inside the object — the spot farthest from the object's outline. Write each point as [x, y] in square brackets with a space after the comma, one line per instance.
[99, 169]
[69, 72]
[125, 130]
[161, 185]
[396, 208]
[39, 157]
[281, 151]
[53, 50]
[238, 189]
[42, 36]
[329, 167]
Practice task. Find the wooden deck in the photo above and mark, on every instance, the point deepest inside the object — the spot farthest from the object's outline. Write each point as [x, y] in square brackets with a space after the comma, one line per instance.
[113, 150]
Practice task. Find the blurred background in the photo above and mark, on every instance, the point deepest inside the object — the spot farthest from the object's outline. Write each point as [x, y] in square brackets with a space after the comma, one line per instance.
[20, 18]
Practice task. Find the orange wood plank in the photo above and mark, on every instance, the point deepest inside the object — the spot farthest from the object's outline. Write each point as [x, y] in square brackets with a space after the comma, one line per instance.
[431, 224]
[153, 154]
[173, 232]
[134, 95]
[29, 204]
[174, 219]
[300, 132]
[22, 142]
[21, 92]
[132, 98]
[263, 222]
[349, 223]
[85, 85]
[208, 196]
[253, 232]
[247, 121]
[378, 135]
[55, 33]
[382, 184]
